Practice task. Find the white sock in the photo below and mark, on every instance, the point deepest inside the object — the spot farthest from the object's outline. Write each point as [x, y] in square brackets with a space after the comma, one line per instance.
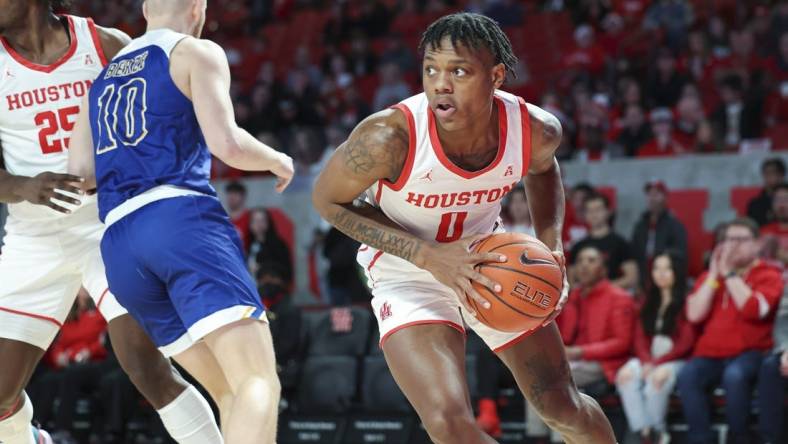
[16, 429]
[189, 419]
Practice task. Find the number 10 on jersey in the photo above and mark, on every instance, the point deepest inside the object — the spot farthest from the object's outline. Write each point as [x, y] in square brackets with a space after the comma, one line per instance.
[121, 115]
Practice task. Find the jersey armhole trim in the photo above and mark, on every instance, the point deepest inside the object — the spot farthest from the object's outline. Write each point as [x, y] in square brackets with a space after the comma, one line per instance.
[526, 135]
[408, 167]
[52, 66]
[97, 41]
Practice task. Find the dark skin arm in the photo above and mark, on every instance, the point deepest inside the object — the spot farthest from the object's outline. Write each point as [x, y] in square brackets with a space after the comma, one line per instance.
[544, 188]
[44, 188]
[376, 150]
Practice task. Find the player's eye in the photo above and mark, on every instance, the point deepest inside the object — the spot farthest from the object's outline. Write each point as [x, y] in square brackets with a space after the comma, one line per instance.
[459, 72]
[430, 71]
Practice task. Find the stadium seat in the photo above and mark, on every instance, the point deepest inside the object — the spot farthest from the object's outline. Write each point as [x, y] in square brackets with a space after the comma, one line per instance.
[324, 341]
[379, 391]
[741, 197]
[328, 383]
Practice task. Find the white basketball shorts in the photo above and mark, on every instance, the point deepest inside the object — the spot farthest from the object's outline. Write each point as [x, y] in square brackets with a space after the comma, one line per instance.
[42, 266]
[405, 295]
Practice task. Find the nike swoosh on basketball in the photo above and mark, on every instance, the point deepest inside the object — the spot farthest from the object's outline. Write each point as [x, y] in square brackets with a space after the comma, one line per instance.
[525, 260]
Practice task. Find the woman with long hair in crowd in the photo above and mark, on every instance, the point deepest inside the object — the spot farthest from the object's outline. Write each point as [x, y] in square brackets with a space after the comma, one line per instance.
[265, 245]
[663, 338]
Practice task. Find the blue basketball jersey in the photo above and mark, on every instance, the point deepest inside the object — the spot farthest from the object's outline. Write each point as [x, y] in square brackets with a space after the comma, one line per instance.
[145, 131]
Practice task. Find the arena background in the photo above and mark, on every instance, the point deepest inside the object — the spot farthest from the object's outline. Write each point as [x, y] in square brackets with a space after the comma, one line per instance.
[306, 71]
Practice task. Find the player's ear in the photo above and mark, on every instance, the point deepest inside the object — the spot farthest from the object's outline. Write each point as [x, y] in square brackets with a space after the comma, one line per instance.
[498, 75]
[145, 10]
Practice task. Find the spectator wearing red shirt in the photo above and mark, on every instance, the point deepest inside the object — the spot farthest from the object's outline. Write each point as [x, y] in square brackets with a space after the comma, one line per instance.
[663, 338]
[235, 195]
[586, 56]
[775, 234]
[665, 143]
[596, 325]
[734, 304]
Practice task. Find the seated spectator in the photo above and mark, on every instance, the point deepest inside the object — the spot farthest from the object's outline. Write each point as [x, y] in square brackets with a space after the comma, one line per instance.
[665, 142]
[673, 17]
[663, 338]
[586, 56]
[575, 227]
[392, 87]
[734, 304]
[596, 326]
[635, 131]
[759, 208]
[664, 86]
[657, 230]
[505, 12]
[235, 200]
[736, 118]
[622, 270]
[773, 379]
[516, 213]
[265, 245]
[692, 129]
[775, 234]
[396, 52]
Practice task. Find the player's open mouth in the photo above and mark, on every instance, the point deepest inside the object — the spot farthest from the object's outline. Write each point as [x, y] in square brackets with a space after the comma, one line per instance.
[444, 109]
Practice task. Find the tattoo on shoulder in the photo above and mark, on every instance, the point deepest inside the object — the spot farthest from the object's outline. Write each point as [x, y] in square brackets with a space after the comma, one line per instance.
[377, 147]
[381, 238]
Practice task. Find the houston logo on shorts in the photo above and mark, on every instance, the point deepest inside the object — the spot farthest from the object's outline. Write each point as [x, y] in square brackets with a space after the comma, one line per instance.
[527, 293]
[385, 311]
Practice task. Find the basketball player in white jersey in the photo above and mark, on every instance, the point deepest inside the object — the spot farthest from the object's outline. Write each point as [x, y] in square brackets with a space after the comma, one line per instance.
[433, 170]
[51, 247]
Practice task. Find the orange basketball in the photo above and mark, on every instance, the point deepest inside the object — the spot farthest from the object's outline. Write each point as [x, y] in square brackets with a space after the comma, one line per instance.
[530, 279]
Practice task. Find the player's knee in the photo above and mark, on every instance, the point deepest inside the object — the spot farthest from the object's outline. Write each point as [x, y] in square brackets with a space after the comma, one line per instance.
[560, 408]
[157, 380]
[447, 424]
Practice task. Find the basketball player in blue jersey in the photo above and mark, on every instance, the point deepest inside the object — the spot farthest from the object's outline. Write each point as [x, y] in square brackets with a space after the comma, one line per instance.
[145, 137]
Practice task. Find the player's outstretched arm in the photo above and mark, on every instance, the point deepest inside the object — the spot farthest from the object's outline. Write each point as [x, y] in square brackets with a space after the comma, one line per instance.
[200, 67]
[81, 161]
[544, 188]
[377, 150]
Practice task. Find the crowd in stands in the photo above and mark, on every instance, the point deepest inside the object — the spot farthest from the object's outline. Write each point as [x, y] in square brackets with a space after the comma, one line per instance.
[627, 78]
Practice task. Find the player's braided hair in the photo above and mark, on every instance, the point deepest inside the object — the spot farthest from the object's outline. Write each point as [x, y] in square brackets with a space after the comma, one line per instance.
[59, 5]
[473, 31]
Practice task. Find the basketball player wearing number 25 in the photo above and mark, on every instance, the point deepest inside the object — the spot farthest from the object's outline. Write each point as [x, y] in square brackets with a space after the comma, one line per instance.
[432, 171]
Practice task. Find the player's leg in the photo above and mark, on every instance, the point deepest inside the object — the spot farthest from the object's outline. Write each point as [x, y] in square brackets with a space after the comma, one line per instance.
[186, 415]
[244, 351]
[428, 363]
[37, 289]
[541, 370]
[199, 361]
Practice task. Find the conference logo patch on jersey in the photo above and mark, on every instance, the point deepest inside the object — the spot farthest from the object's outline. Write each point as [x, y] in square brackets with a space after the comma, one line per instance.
[89, 60]
[385, 311]
[509, 171]
[8, 73]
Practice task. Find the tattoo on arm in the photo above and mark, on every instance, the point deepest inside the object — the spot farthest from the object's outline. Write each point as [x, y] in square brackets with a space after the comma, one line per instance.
[379, 235]
[376, 148]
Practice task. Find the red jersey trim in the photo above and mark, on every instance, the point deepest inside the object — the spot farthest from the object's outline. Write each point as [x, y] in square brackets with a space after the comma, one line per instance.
[375, 258]
[97, 41]
[515, 341]
[503, 127]
[32, 315]
[45, 68]
[101, 299]
[408, 167]
[526, 134]
[414, 323]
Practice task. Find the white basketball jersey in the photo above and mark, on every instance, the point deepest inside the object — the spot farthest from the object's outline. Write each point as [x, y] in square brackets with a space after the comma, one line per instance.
[436, 200]
[39, 105]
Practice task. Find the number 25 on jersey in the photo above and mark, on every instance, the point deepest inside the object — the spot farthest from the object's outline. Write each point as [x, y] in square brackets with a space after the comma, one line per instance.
[120, 115]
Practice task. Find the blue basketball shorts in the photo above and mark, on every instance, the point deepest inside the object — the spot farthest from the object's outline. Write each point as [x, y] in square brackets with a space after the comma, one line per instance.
[178, 267]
